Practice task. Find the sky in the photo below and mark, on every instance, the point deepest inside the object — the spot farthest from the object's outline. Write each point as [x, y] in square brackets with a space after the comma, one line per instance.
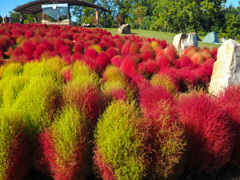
[9, 5]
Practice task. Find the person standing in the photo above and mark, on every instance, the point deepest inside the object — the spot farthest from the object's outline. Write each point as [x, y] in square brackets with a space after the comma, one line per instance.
[5, 19]
[21, 19]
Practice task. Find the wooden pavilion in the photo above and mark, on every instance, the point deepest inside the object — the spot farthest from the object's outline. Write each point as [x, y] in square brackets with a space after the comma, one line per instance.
[54, 8]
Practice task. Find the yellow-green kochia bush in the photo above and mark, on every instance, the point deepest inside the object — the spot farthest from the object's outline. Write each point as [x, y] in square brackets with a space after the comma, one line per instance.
[119, 144]
[84, 74]
[12, 69]
[116, 86]
[46, 68]
[65, 146]
[13, 86]
[15, 149]
[37, 104]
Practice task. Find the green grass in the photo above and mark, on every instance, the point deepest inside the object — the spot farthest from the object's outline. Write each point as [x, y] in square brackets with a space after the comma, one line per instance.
[160, 35]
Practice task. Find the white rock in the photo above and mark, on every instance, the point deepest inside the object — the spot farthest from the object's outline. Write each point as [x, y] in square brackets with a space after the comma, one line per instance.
[226, 70]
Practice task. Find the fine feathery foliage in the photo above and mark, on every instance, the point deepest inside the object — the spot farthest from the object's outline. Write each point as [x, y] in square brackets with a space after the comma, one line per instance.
[165, 143]
[208, 132]
[65, 146]
[15, 156]
[119, 152]
[229, 99]
[37, 104]
[164, 81]
[50, 67]
[84, 74]
[85, 98]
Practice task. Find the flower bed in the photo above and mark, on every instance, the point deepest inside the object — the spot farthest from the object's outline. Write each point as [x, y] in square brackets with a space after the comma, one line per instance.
[77, 102]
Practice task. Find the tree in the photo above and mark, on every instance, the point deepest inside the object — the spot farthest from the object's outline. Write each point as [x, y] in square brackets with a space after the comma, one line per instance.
[193, 15]
[123, 7]
[109, 5]
[28, 18]
[84, 14]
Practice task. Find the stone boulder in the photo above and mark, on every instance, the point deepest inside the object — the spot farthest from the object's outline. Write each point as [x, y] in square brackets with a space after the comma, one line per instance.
[226, 70]
[124, 29]
[182, 41]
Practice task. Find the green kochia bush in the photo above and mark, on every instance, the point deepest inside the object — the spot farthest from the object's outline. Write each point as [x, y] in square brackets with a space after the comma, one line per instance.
[37, 103]
[119, 152]
[12, 88]
[65, 146]
[12, 69]
[83, 74]
[46, 68]
[15, 149]
[116, 86]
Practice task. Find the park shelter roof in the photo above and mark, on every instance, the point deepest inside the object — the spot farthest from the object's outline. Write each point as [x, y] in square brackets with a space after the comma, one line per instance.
[34, 7]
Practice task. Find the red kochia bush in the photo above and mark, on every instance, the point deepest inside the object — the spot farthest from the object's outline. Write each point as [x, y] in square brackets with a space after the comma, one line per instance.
[148, 68]
[64, 50]
[229, 100]
[148, 54]
[134, 49]
[102, 60]
[151, 96]
[79, 47]
[163, 62]
[129, 66]
[112, 51]
[208, 132]
[163, 43]
[125, 48]
[117, 60]
[165, 135]
[92, 53]
[29, 49]
[4, 43]
[185, 61]
[171, 52]
[214, 52]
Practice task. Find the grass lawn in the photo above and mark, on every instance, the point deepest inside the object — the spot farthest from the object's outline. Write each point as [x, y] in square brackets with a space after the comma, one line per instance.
[160, 35]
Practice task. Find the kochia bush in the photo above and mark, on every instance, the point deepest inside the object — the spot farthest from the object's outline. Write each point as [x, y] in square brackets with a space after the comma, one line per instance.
[165, 138]
[119, 153]
[15, 156]
[65, 146]
[229, 99]
[208, 132]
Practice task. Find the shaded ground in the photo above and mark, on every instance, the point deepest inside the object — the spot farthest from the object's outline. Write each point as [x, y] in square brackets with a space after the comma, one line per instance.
[225, 173]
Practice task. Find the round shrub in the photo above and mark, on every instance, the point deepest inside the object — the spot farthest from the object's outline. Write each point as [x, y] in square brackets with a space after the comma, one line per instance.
[65, 146]
[129, 65]
[165, 139]
[208, 132]
[15, 156]
[164, 81]
[229, 99]
[119, 147]
[85, 98]
[37, 104]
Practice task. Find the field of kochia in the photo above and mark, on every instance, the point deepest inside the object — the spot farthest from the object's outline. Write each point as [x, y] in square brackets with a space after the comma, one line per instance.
[78, 103]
